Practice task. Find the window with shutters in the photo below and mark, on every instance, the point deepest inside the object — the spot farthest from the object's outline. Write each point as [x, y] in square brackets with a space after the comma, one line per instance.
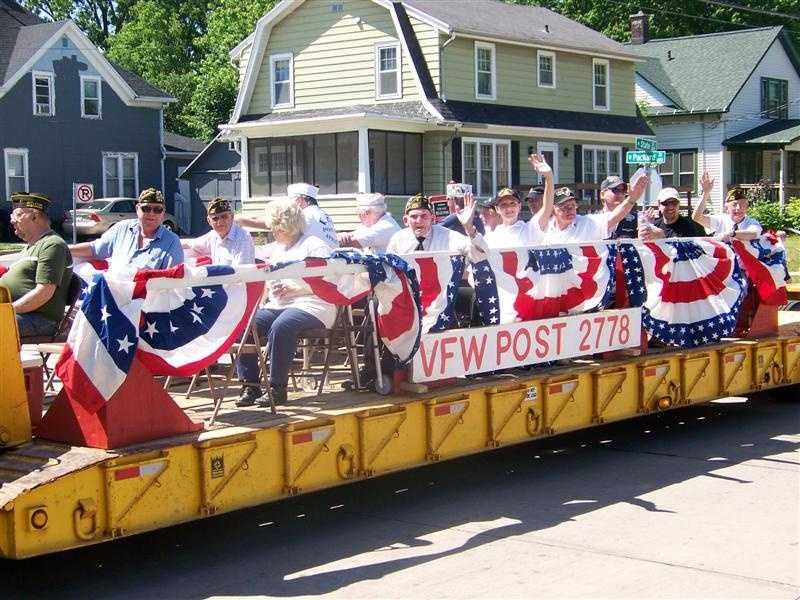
[44, 104]
[388, 83]
[486, 165]
[774, 98]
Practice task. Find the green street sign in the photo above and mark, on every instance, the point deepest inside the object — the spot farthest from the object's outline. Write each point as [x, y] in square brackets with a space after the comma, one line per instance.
[641, 157]
[646, 144]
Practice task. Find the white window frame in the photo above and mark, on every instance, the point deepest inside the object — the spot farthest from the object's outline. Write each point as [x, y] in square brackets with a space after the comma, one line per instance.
[552, 56]
[549, 147]
[51, 79]
[399, 93]
[272, 60]
[7, 152]
[495, 142]
[486, 46]
[605, 149]
[99, 81]
[607, 64]
[119, 156]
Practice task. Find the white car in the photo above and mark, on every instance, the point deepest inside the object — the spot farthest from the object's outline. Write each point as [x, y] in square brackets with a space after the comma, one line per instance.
[97, 216]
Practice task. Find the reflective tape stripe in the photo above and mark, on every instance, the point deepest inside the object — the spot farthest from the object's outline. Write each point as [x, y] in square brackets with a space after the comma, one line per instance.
[448, 409]
[310, 436]
[138, 471]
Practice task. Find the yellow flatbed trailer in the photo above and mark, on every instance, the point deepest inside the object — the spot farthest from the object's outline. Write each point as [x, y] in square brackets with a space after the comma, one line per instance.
[56, 497]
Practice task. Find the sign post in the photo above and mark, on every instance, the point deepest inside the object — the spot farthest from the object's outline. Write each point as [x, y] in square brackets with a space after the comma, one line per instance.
[81, 192]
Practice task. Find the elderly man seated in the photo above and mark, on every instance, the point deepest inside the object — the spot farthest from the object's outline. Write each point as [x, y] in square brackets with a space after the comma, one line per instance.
[734, 223]
[291, 309]
[318, 222]
[142, 243]
[377, 225]
[39, 281]
[423, 235]
[227, 243]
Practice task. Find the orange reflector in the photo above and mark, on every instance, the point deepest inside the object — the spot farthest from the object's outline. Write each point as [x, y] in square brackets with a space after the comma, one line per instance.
[664, 403]
[39, 519]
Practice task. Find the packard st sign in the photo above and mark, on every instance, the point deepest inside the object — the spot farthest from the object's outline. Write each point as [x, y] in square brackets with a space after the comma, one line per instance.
[646, 157]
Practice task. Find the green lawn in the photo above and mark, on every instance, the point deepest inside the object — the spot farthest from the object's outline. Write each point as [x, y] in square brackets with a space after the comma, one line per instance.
[793, 253]
[8, 247]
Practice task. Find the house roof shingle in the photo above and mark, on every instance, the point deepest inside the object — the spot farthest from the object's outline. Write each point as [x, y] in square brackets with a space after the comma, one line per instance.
[174, 142]
[777, 133]
[703, 72]
[519, 23]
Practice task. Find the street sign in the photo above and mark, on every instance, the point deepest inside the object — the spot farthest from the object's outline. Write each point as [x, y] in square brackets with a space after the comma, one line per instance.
[646, 144]
[83, 192]
[642, 157]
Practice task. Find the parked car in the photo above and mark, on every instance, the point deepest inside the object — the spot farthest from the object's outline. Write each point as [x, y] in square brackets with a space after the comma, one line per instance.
[97, 216]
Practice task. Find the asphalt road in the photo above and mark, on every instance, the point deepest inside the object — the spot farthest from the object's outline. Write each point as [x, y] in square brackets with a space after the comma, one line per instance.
[703, 502]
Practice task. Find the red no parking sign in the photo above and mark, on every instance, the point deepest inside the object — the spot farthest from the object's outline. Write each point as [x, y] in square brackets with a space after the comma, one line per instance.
[83, 192]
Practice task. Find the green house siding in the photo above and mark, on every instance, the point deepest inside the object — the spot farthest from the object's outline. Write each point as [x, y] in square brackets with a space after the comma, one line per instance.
[429, 40]
[517, 83]
[436, 162]
[334, 56]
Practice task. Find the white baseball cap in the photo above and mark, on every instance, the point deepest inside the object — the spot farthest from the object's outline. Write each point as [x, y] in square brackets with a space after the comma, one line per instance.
[302, 189]
[668, 193]
[364, 201]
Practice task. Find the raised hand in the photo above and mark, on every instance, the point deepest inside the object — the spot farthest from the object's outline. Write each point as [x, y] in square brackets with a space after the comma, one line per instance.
[706, 183]
[539, 163]
[465, 216]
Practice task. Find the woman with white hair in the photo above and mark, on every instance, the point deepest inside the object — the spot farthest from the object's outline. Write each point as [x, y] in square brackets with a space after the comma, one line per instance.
[292, 307]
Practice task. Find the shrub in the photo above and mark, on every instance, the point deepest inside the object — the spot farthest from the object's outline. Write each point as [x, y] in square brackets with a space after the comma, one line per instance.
[768, 214]
[792, 213]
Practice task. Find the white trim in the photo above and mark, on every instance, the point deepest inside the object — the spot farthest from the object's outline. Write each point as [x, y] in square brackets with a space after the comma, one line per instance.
[244, 166]
[364, 183]
[478, 142]
[493, 48]
[398, 67]
[549, 147]
[595, 106]
[95, 57]
[99, 82]
[6, 153]
[552, 56]
[571, 134]
[236, 53]
[119, 156]
[607, 149]
[274, 58]
[51, 93]
[565, 48]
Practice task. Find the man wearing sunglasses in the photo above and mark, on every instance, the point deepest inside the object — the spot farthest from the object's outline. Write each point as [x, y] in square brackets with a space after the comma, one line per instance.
[227, 243]
[613, 192]
[140, 243]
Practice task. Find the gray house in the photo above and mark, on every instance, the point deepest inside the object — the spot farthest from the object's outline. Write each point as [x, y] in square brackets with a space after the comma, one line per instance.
[69, 115]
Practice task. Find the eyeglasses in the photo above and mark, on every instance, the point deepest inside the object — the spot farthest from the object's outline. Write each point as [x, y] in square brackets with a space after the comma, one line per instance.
[620, 189]
[223, 216]
[156, 210]
[567, 206]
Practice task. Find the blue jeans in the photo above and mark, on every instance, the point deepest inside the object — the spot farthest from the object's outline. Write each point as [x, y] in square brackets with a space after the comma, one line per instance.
[32, 323]
[280, 327]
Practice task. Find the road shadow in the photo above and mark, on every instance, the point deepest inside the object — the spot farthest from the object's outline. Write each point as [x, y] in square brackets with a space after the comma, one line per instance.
[318, 544]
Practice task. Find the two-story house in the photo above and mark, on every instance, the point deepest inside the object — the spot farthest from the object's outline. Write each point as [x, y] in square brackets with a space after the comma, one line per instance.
[69, 115]
[727, 103]
[401, 97]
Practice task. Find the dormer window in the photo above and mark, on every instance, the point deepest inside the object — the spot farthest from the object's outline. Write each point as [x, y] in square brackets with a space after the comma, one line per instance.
[387, 71]
[43, 94]
[281, 68]
[485, 72]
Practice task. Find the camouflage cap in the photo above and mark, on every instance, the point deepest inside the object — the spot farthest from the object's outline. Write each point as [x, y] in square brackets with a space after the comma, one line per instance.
[537, 190]
[563, 194]
[151, 196]
[31, 200]
[418, 202]
[506, 193]
[219, 205]
[736, 194]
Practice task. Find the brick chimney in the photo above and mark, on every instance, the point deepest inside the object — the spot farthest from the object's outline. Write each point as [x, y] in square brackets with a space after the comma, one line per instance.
[640, 28]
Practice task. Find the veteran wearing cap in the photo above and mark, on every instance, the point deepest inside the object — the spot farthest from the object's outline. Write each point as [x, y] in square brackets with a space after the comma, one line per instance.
[39, 281]
[488, 214]
[534, 199]
[227, 243]
[377, 226]
[734, 222]
[621, 223]
[423, 235]
[451, 221]
[140, 243]
[318, 223]
[513, 232]
[668, 222]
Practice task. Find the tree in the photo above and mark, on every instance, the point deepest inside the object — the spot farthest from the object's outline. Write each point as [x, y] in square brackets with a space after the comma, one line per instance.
[98, 19]
[214, 95]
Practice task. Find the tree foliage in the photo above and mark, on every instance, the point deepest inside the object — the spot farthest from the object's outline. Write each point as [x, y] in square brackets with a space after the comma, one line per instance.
[98, 19]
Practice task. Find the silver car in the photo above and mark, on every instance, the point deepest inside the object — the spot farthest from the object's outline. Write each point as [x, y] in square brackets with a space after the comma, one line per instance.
[97, 216]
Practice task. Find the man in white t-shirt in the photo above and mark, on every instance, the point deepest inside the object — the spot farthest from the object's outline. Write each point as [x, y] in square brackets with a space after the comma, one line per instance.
[734, 222]
[318, 223]
[377, 225]
[227, 243]
[613, 191]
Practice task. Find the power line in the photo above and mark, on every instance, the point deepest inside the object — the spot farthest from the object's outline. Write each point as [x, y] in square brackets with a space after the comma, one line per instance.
[761, 11]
